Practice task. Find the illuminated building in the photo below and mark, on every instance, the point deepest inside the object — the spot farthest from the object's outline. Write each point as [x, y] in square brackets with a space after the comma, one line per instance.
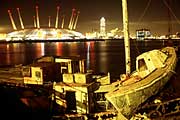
[102, 27]
[142, 34]
[92, 35]
[3, 36]
[45, 33]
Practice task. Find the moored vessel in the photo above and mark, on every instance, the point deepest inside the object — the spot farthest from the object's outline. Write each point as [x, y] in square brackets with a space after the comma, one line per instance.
[153, 70]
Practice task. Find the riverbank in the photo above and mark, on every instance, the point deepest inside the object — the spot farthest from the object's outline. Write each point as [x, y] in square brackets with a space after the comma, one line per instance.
[64, 40]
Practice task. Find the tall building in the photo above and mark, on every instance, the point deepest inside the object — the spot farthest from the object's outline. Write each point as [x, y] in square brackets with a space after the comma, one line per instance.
[142, 34]
[102, 27]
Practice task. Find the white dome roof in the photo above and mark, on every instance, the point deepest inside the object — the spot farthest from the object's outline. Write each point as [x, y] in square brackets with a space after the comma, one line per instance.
[45, 34]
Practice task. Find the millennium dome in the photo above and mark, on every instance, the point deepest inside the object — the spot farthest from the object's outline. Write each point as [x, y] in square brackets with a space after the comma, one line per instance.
[45, 33]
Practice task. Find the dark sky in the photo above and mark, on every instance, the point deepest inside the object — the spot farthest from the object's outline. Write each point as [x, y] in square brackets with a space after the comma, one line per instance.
[155, 18]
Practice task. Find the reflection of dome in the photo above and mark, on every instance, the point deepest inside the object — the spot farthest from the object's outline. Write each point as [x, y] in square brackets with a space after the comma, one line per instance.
[44, 34]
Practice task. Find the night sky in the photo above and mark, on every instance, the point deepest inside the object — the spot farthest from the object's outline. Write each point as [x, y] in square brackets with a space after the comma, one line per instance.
[155, 18]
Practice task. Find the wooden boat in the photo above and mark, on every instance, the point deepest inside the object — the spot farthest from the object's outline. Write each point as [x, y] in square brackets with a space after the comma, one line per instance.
[153, 70]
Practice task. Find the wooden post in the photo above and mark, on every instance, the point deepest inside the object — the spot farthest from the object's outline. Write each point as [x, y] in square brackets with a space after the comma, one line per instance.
[126, 37]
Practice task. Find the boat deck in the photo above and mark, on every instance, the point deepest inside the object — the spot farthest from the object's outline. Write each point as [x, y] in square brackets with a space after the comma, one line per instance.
[148, 81]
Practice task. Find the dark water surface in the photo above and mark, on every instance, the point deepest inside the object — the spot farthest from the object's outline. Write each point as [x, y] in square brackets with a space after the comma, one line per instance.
[101, 56]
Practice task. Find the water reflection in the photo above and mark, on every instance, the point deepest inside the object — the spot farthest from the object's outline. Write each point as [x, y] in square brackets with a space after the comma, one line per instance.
[18, 50]
[8, 54]
[95, 53]
[100, 56]
[39, 49]
[73, 49]
[59, 48]
[90, 55]
[11, 54]
[103, 56]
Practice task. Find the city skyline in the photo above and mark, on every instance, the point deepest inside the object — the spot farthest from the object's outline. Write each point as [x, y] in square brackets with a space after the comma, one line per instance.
[150, 14]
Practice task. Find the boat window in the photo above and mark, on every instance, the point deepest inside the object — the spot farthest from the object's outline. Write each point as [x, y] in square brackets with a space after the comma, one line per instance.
[37, 74]
[64, 67]
[26, 72]
[75, 67]
[142, 65]
[100, 97]
[64, 64]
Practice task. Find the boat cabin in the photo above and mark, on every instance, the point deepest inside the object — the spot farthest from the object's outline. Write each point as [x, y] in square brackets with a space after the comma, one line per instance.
[41, 73]
[68, 64]
[75, 92]
[73, 70]
[147, 62]
[50, 68]
[71, 65]
[75, 97]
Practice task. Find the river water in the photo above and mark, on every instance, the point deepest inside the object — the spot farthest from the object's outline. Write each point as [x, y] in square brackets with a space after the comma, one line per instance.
[101, 56]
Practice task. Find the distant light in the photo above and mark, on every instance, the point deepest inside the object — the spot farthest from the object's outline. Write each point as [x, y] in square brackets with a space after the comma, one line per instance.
[44, 34]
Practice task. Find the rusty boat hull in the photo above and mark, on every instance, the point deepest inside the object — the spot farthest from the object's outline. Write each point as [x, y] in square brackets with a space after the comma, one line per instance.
[127, 98]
